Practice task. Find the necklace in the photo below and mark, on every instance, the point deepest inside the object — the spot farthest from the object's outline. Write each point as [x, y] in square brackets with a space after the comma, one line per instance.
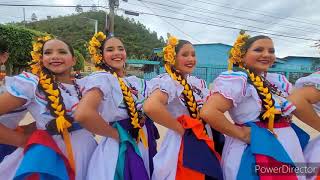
[273, 88]
[76, 87]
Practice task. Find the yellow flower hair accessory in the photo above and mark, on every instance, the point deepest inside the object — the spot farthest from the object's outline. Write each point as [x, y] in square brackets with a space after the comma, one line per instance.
[36, 53]
[169, 52]
[94, 47]
[236, 54]
[269, 112]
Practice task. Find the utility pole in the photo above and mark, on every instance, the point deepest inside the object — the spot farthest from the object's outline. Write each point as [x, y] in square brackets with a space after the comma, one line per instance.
[110, 18]
[24, 16]
[95, 23]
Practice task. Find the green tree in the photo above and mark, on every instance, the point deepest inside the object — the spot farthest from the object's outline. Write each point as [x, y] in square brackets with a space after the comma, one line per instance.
[76, 29]
[80, 61]
[20, 45]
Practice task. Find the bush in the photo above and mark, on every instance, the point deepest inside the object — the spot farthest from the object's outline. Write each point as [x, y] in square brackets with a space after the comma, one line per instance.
[19, 41]
[80, 61]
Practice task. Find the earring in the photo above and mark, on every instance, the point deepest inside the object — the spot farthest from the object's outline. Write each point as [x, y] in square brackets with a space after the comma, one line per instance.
[2, 71]
[265, 74]
[124, 68]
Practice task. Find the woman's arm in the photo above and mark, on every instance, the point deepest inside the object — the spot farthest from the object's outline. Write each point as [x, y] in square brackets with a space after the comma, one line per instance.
[9, 103]
[88, 116]
[213, 113]
[11, 137]
[303, 98]
[156, 108]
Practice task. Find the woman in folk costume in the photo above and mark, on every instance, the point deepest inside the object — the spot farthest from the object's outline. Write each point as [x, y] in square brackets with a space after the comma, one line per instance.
[56, 150]
[11, 119]
[187, 151]
[113, 102]
[306, 95]
[262, 133]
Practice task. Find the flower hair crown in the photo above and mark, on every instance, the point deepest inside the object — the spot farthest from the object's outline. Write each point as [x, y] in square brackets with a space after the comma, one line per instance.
[36, 53]
[169, 52]
[236, 54]
[95, 47]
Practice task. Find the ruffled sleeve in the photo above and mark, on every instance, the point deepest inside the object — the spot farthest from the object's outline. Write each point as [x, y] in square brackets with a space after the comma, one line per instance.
[12, 119]
[100, 80]
[232, 85]
[167, 85]
[281, 82]
[152, 85]
[22, 86]
[311, 80]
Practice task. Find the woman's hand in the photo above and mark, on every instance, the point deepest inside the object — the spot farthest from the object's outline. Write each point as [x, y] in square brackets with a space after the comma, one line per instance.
[246, 134]
[115, 135]
[22, 139]
[181, 130]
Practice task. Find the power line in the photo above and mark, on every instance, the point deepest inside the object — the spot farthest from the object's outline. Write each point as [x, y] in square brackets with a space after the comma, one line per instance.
[198, 9]
[186, 20]
[42, 5]
[173, 25]
[228, 27]
[219, 19]
[10, 2]
[283, 39]
[256, 12]
[279, 38]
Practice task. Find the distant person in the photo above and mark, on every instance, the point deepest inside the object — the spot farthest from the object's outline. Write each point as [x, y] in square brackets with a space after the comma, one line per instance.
[4, 55]
[11, 119]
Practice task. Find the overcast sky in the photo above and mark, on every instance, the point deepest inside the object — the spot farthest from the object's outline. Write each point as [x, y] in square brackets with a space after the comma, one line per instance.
[220, 19]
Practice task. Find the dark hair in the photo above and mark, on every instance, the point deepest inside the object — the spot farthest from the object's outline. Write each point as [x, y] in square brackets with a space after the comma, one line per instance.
[181, 44]
[107, 39]
[103, 64]
[3, 46]
[251, 40]
[67, 43]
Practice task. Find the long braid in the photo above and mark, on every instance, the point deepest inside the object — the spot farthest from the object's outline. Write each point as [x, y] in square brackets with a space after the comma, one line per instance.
[95, 49]
[61, 121]
[55, 100]
[136, 131]
[187, 92]
[269, 113]
[169, 55]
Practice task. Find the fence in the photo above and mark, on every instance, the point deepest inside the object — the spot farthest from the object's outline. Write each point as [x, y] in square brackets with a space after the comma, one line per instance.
[209, 72]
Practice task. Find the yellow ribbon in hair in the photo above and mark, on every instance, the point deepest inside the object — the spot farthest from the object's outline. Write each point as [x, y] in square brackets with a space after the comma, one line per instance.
[62, 126]
[67, 142]
[142, 137]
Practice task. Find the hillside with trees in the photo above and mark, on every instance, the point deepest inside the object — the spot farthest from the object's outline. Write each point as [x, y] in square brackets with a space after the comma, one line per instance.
[78, 29]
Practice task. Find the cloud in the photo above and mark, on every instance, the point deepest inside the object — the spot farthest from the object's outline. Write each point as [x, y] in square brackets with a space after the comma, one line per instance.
[291, 17]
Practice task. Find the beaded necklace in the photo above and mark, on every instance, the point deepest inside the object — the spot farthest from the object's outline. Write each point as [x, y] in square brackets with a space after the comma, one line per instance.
[76, 87]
